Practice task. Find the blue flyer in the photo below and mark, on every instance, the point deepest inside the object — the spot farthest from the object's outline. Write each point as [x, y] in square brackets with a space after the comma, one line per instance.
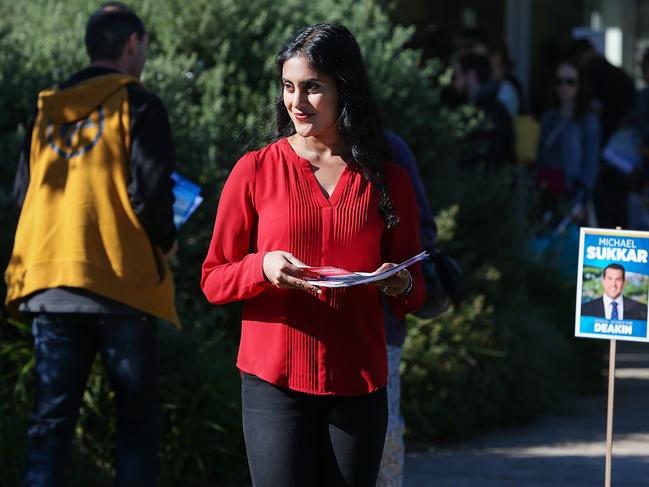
[623, 150]
[187, 196]
[612, 284]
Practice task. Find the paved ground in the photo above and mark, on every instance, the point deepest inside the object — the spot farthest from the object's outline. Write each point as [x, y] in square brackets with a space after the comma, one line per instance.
[558, 451]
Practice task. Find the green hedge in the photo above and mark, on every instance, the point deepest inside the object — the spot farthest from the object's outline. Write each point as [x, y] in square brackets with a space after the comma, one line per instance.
[506, 355]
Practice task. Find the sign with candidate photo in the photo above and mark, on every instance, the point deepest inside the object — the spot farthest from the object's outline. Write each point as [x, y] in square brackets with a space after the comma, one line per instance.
[612, 285]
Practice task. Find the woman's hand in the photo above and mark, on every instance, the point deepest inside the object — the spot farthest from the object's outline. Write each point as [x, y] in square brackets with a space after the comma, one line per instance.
[396, 284]
[283, 270]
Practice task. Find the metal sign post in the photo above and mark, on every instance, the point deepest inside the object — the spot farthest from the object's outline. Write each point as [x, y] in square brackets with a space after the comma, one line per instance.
[608, 259]
[609, 414]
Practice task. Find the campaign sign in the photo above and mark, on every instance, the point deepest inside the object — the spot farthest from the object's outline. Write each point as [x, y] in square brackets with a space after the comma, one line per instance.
[612, 284]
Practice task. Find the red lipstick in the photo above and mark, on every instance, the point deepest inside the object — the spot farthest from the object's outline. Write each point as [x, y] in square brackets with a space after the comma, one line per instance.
[301, 117]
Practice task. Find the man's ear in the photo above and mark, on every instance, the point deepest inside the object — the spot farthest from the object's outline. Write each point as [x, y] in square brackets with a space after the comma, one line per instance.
[132, 43]
[129, 47]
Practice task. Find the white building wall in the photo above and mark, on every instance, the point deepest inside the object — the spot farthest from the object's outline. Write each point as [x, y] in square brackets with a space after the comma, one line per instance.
[618, 18]
[518, 33]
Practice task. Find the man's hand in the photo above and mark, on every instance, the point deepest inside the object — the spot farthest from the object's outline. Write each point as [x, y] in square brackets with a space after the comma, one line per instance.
[171, 253]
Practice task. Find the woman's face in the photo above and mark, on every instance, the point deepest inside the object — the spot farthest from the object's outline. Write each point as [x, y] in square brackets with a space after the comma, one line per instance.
[567, 82]
[311, 99]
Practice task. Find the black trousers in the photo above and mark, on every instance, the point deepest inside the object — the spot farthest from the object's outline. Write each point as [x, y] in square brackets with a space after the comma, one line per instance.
[295, 439]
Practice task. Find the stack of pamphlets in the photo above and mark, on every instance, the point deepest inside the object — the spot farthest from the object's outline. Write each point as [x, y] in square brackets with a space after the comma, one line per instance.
[188, 198]
[335, 277]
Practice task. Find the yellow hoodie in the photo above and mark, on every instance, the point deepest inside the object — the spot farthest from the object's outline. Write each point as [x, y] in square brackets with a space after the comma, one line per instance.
[77, 227]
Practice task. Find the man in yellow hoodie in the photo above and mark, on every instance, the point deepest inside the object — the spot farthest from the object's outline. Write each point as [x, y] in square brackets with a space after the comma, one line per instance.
[89, 262]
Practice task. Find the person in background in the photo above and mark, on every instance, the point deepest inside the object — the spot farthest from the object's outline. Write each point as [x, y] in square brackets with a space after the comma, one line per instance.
[642, 106]
[638, 180]
[509, 89]
[547, 56]
[94, 182]
[391, 472]
[613, 98]
[638, 202]
[612, 90]
[313, 361]
[473, 83]
[568, 151]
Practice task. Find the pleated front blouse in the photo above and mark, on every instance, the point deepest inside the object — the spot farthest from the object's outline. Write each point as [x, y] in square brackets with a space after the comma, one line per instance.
[332, 343]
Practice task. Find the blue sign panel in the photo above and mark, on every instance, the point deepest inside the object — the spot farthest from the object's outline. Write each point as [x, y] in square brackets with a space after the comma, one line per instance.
[613, 284]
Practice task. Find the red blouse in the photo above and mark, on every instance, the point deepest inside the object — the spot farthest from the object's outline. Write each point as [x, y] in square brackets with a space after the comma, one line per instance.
[331, 343]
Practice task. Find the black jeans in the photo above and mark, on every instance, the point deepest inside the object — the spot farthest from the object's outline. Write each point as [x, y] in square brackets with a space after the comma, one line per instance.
[65, 346]
[295, 439]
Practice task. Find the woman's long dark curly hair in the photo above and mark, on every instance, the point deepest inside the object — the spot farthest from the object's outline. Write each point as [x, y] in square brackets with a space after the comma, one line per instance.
[332, 50]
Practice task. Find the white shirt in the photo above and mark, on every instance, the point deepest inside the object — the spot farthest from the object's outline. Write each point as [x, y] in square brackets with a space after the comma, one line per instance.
[608, 308]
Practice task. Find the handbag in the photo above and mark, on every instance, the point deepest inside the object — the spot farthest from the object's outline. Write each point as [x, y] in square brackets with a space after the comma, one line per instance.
[444, 283]
[552, 178]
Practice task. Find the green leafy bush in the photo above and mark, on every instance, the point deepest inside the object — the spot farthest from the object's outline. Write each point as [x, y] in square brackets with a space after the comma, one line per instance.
[212, 62]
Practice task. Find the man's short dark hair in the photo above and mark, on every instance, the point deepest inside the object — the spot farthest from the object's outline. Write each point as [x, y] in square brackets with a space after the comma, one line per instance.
[478, 63]
[616, 267]
[108, 30]
[579, 47]
[473, 36]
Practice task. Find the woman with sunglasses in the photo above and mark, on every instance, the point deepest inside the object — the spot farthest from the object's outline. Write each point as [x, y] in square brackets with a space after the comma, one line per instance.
[568, 152]
[313, 360]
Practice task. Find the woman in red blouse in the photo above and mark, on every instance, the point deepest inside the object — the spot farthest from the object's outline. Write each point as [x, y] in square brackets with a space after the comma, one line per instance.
[313, 360]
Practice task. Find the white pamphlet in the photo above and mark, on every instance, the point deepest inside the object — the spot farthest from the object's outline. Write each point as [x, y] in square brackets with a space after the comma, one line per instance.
[335, 277]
